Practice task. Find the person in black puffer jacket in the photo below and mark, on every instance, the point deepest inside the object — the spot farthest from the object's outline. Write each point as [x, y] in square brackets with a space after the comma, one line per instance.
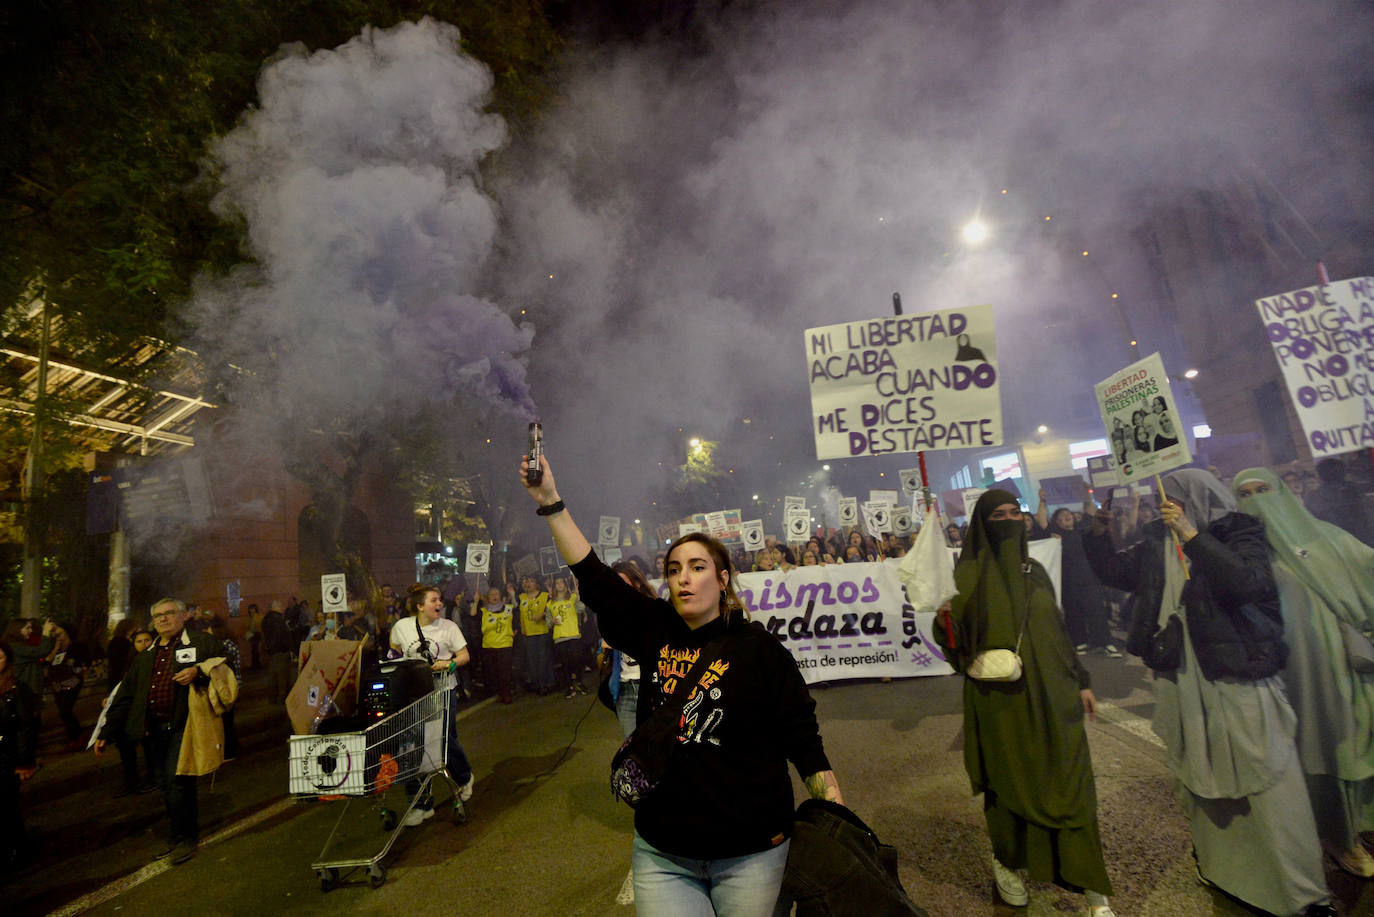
[1207, 619]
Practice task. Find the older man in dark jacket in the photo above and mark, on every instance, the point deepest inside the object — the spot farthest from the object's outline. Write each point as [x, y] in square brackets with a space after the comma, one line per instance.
[152, 703]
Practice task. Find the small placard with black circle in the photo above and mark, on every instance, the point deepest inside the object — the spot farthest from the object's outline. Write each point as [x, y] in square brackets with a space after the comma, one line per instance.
[901, 520]
[479, 558]
[608, 532]
[877, 517]
[849, 510]
[334, 589]
[797, 521]
[751, 534]
[328, 764]
[911, 480]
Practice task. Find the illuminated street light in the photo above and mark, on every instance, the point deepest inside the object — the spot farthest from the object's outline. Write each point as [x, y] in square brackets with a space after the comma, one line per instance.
[1042, 429]
[1190, 374]
[694, 442]
[975, 232]
[825, 468]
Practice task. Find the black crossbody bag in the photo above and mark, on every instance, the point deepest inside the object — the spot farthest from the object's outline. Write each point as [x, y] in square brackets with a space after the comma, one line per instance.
[643, 758]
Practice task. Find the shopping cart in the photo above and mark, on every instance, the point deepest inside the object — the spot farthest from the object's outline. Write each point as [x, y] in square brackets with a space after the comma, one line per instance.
[410, 744]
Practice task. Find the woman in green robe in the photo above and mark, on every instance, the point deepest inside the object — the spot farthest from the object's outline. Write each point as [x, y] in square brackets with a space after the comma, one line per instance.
[1025, 747]
[1326, 585]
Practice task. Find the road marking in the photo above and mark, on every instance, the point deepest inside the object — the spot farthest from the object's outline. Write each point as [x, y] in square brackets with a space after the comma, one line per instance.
[1136, 725]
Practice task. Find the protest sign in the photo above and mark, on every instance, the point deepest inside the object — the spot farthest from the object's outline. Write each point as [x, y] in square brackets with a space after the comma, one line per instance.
[911, 480]
[796, 522]
[730, 533]
[479, 558]
[751, 534]
[970, 496]
[901, 520]
[687, 528]
[849, 510]
[1102, 472]
[1066, 489]
[877, 517]
[789, 502]
[548, 561]
[904, 383]
[1142, 424]
[1323, 338]
[884, 496]
[334, 593]
[610, 555]
[715, 524]
[608, 532]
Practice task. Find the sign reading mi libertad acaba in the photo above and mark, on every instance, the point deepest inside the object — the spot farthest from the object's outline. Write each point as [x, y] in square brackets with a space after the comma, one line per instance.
[904, 384]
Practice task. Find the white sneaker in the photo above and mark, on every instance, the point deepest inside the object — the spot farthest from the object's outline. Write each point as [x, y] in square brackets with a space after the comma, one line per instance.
[1009, 885]
[1101, 910]
[627, 889]
[1111, 651]
[465, 791]
[417, 817]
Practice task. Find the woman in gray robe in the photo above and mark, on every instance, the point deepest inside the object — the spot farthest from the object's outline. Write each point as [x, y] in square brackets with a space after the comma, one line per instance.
[1326, 586]
[1220, 706]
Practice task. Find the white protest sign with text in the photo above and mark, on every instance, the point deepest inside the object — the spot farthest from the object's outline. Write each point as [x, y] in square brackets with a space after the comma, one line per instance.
[1323, 338]
[1139, 413]
[797, 522]
[904, 383]
[911, 480]
[608, 532]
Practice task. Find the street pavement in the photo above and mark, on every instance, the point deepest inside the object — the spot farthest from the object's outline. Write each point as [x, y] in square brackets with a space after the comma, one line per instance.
[544, 836]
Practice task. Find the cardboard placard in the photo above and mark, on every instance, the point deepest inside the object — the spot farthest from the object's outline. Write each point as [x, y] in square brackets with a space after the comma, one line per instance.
[330, 670]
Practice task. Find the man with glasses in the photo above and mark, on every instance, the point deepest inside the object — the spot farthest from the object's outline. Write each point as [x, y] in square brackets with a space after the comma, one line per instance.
[152, 702]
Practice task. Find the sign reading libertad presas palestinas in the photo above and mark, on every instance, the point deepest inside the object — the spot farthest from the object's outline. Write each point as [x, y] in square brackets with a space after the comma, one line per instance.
[1323, 338]
[1144, 431]
[904, 384]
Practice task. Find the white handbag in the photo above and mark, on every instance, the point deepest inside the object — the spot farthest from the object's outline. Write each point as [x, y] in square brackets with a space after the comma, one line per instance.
[996, 665]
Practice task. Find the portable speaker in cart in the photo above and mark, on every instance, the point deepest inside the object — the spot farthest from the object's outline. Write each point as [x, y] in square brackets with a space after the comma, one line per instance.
[394, 686]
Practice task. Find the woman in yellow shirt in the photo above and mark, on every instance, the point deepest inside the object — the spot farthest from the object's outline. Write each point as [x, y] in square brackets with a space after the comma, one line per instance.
[498, 635]
[567, 635]
[534, 628]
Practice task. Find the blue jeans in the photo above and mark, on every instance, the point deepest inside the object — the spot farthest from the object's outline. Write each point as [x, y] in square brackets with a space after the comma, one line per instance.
[626, 703]
[672, 886]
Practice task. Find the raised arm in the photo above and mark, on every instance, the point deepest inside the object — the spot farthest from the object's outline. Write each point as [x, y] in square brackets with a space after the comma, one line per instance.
[567, 537]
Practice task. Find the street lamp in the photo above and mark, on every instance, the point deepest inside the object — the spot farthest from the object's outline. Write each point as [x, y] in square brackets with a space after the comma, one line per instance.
[975, 232]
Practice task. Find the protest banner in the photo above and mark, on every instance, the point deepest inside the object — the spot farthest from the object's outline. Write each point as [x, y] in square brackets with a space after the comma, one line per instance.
[751, 534]
[849, 510]
[1065, 489]
[1142, 425]
[904, 384]
[1323, 338]
[479, 558]
[608, 532]
[843, 621]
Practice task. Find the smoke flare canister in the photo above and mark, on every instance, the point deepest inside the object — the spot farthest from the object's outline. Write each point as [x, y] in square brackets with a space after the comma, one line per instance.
[534, 475]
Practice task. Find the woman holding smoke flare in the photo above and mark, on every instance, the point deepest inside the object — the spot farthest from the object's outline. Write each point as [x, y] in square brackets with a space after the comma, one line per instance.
[1025, 747]
[1326, 588]
[712, 835]
[1206, 619]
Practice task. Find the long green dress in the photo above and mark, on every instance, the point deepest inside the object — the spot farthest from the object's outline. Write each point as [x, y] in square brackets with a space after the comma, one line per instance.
[1025, 748]
[1326, 578]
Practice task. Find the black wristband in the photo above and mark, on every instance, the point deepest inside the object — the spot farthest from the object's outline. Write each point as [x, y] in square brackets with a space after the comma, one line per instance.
[551, 509]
